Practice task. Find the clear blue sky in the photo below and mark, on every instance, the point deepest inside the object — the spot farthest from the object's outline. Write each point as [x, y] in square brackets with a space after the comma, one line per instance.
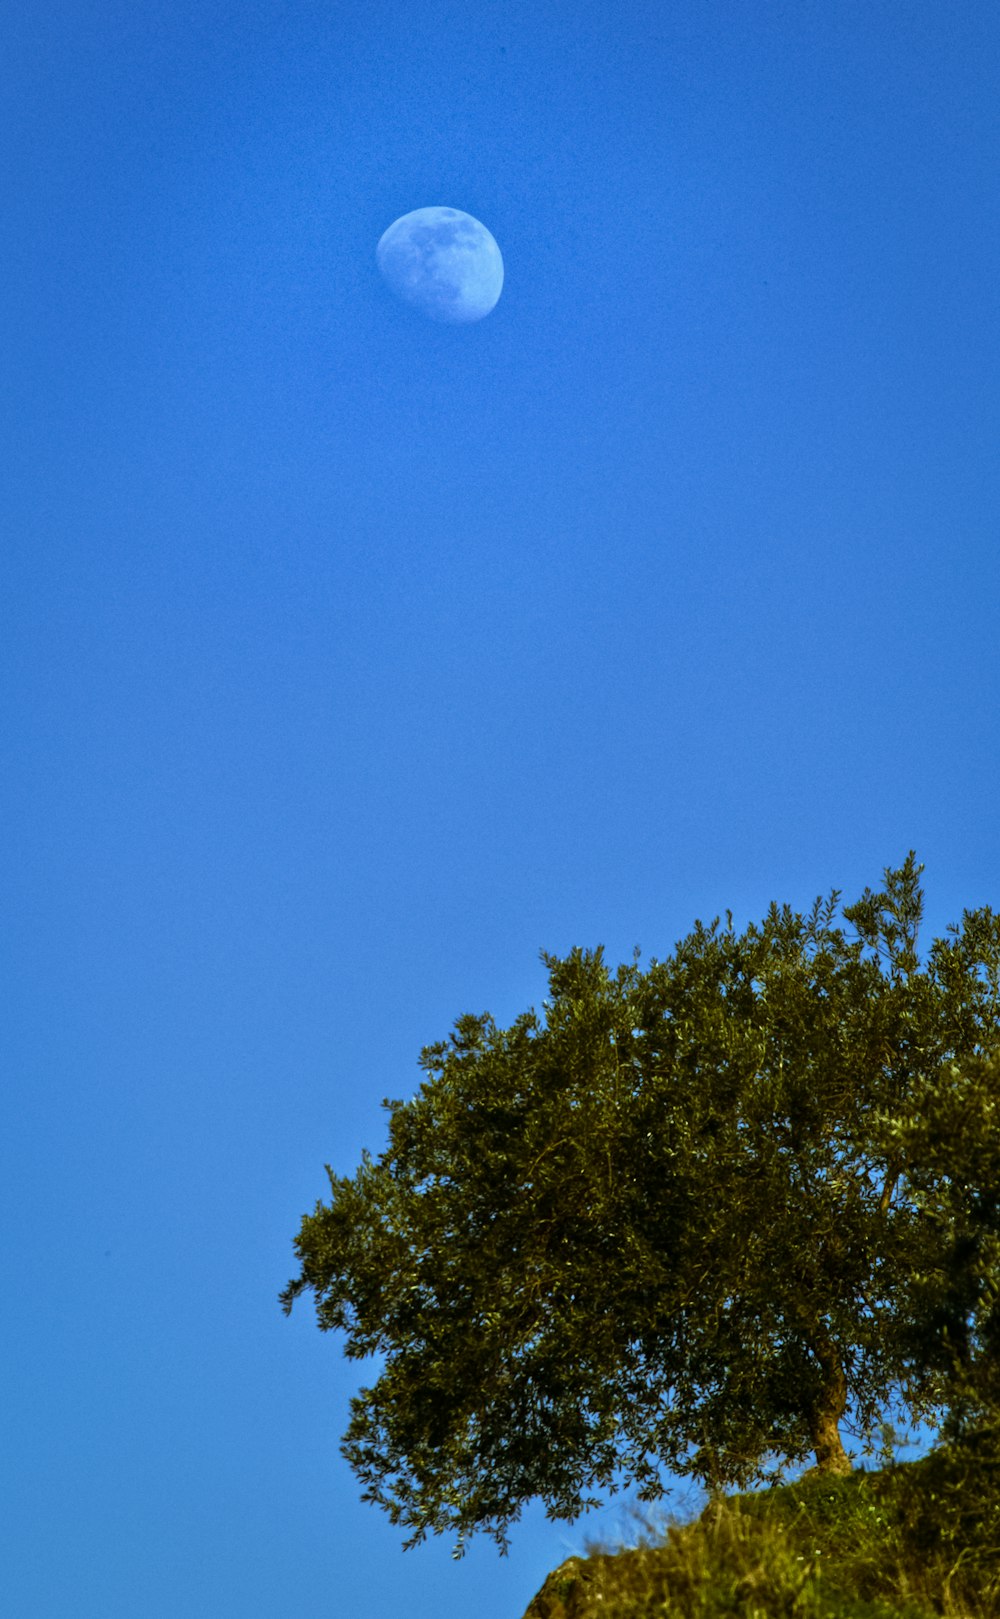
[347, 660]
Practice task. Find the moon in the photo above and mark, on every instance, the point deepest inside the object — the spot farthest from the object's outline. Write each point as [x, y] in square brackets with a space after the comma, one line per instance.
[443, 263]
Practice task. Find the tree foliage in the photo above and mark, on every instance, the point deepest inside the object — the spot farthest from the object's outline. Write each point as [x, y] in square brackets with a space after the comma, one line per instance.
[688, 1217]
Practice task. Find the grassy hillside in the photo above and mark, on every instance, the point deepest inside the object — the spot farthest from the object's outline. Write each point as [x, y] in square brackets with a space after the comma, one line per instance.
[916, 1540]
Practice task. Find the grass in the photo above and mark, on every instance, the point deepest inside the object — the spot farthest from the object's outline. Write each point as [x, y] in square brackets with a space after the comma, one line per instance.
[917, 1540]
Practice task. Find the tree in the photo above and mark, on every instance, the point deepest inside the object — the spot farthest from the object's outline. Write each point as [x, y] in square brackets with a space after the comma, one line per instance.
[674, 1222]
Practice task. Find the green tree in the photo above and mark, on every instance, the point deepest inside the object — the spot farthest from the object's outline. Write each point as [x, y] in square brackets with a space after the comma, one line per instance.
[671, 1223]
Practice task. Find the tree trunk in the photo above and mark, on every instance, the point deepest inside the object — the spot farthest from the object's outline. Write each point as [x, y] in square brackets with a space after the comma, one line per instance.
[828, 1408]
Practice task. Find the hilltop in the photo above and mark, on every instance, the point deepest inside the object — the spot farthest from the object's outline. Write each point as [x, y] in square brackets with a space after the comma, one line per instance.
[915, 1540]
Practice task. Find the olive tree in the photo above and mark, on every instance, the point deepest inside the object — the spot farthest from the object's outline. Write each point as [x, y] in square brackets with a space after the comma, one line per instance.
[671, 1222]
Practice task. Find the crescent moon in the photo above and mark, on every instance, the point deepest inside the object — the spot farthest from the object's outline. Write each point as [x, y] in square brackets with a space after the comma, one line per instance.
[443, 263]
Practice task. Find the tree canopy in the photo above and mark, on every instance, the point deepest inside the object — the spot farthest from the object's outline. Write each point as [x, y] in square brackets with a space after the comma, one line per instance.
[697, 1216]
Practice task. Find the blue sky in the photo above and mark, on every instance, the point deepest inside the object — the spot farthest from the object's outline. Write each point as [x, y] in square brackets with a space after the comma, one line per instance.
[348, 660]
